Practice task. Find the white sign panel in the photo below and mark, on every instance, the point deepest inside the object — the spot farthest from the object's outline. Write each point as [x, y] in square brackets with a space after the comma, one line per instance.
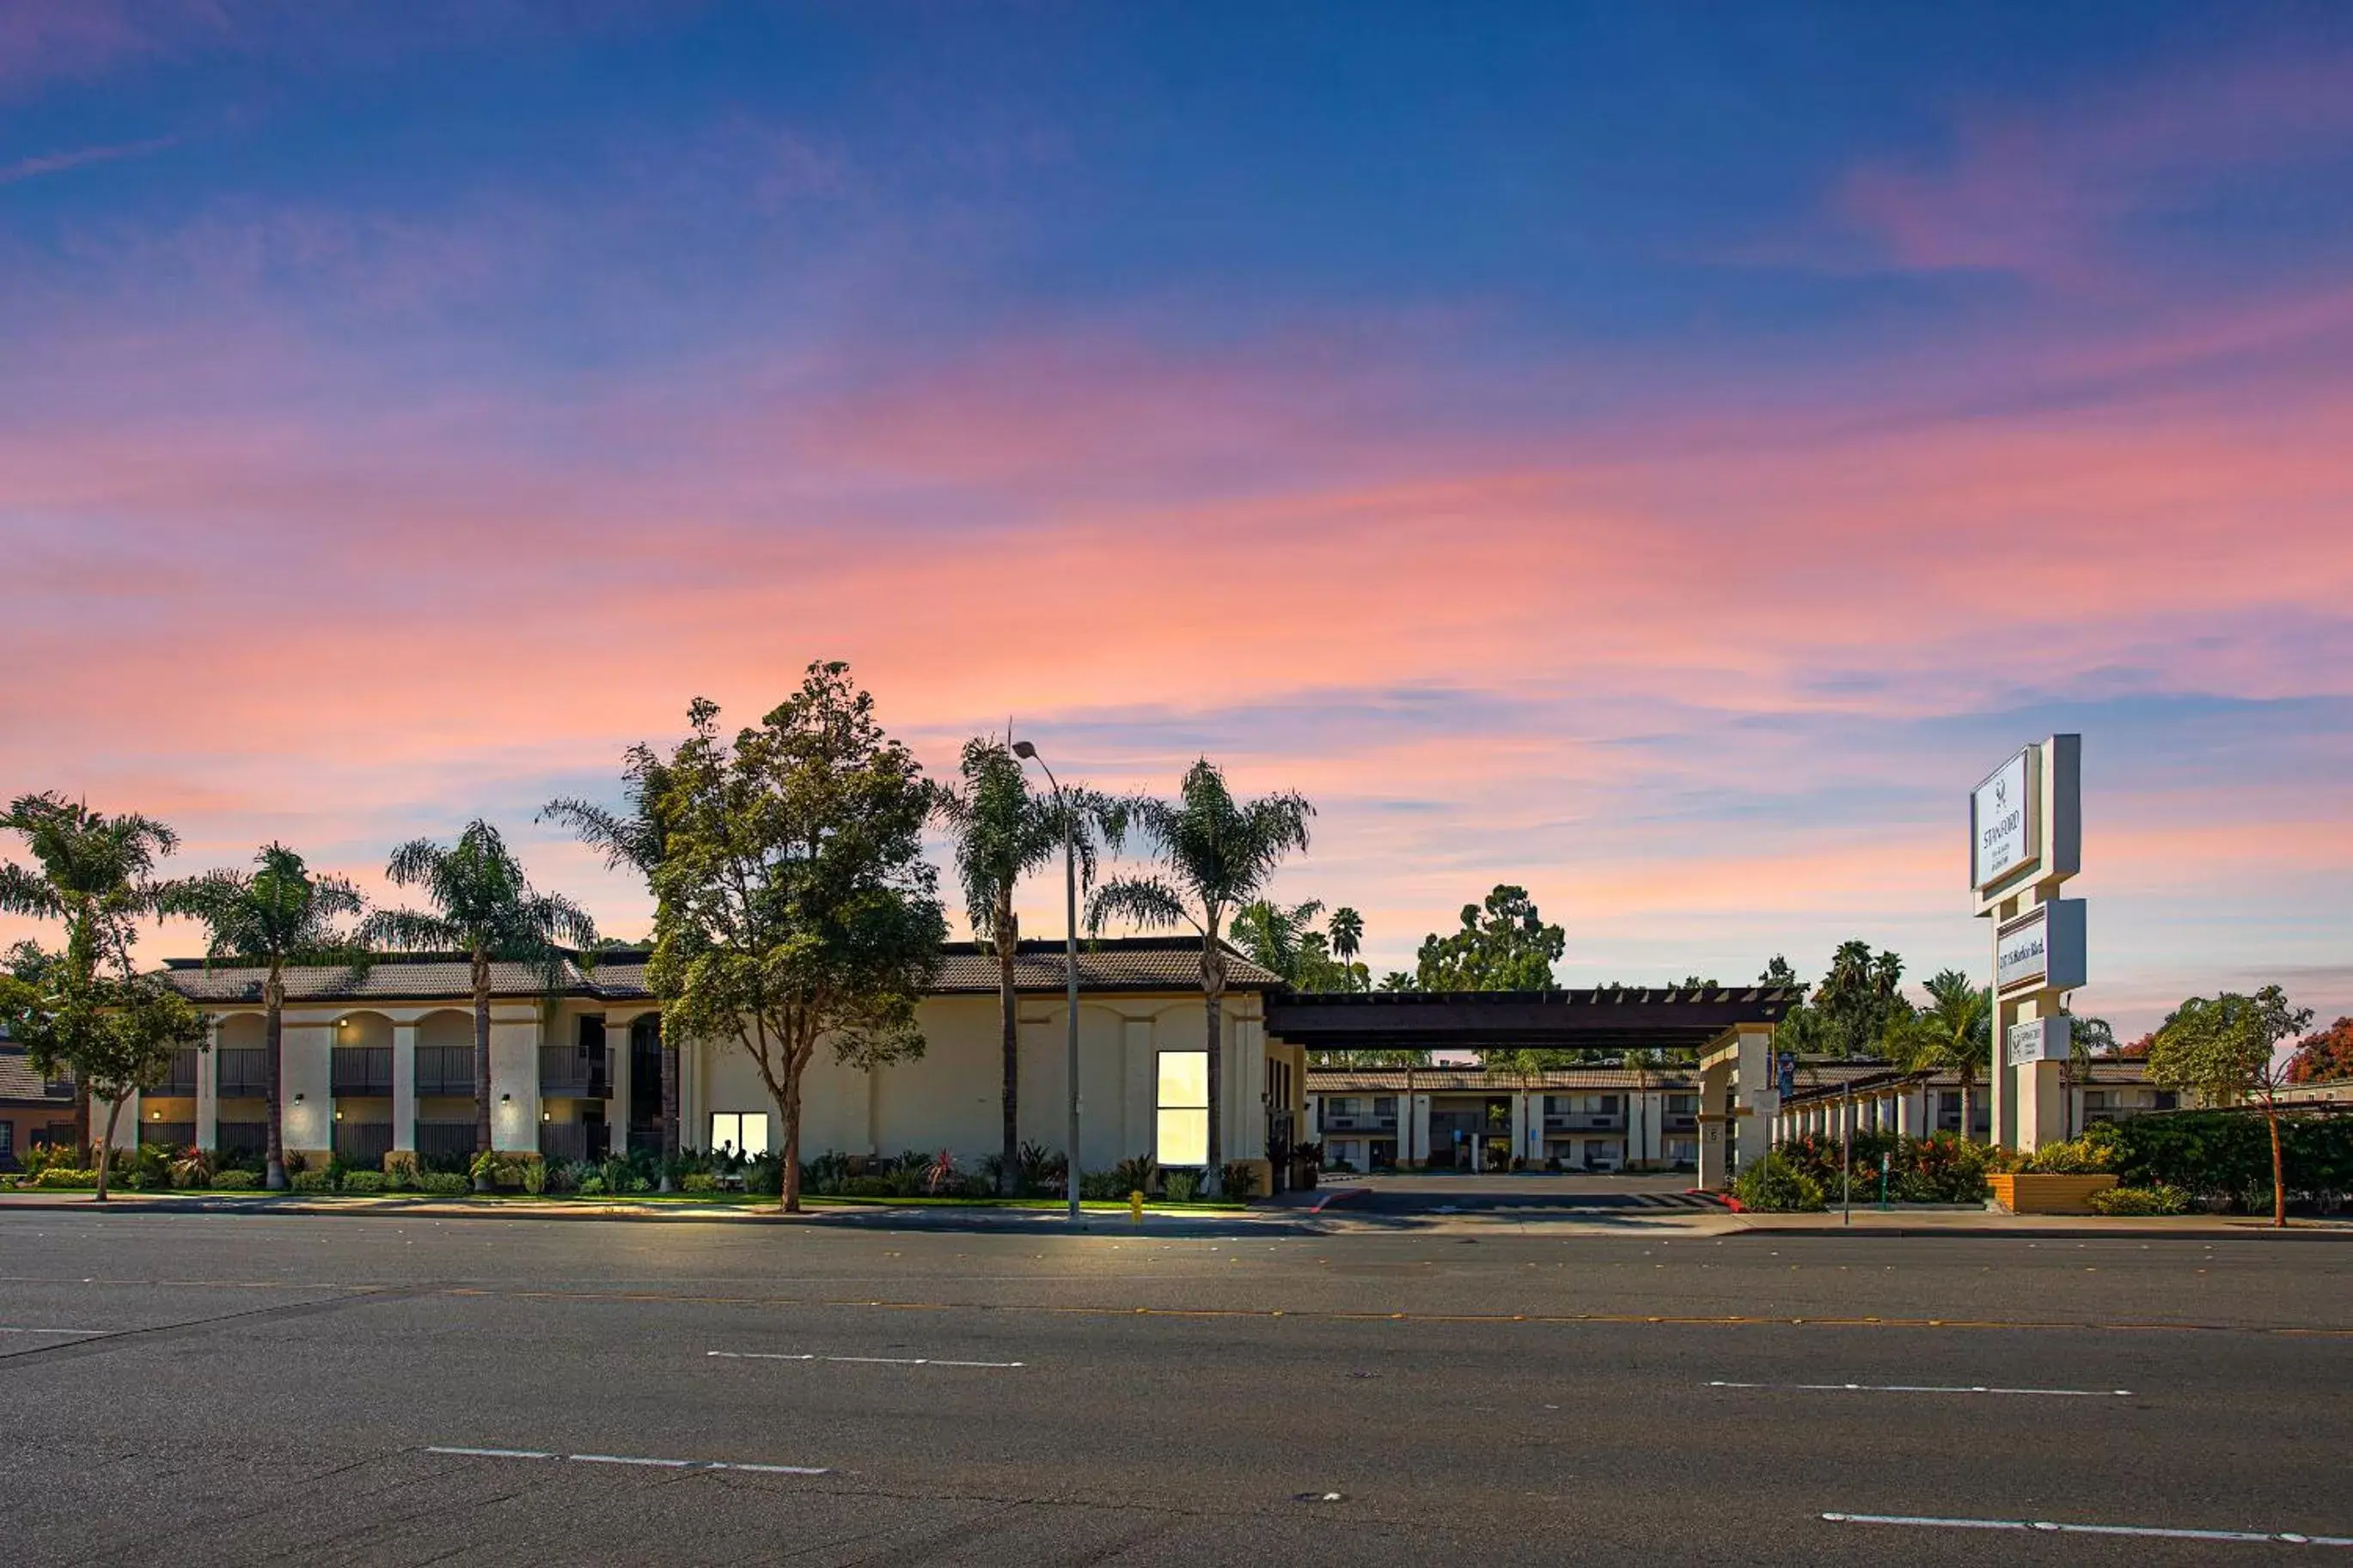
[2021, 952]
[2037, 1040]
[2001, 819]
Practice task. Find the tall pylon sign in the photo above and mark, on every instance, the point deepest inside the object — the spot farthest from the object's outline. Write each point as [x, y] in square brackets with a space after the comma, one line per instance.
[2026, 838]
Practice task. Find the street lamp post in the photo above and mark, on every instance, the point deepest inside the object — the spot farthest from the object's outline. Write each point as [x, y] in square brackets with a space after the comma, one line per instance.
[1027, 751]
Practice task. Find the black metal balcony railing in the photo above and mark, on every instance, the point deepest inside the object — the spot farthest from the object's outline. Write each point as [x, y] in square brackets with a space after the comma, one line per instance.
[244, 1073]
[564, 1141]
[1359, 1124]
[170, 1134]
[242, 1137]
[182, 1079]
[567, 1072]
[445, 1139]
[1585, 1121]
[363, 1143]
[362, 1071]
[1682, 1122]
[445, 1070]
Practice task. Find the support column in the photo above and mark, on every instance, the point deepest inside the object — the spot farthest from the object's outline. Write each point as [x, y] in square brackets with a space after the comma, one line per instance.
[1759, 1096]
[404, 1089]
[616, 1079]
[1520, 1126]
[1418, 1125]
[208, 1088]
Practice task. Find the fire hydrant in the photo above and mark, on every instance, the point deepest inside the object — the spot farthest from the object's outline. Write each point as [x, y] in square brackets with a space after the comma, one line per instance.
[1135, 1208]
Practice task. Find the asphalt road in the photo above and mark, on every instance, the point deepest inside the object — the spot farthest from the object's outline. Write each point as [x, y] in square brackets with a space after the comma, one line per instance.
[256, 1389]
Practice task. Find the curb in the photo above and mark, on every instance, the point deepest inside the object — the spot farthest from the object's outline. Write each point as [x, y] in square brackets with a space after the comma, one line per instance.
[1338, 1195]
[2057, 1233]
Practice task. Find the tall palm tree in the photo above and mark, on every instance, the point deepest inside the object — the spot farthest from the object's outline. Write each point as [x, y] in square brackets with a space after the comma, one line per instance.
[484, 906]
[276, 915]
[637, 837]
[1214, 854]
[1276, 937]
[97, 875]
[1005, 830]
[1347, 929]
[1954, 1034]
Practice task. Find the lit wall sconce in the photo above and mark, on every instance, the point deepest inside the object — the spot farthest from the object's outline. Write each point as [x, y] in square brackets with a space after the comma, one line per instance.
[339, 1116]
[298, 1099]
[506, 1100]
[544, 1117]
[154, 1116]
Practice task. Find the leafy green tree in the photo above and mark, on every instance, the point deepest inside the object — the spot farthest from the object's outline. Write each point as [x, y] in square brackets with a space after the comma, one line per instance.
[1779, 972]
[278, 914]
[117, 1034]
[793, 904]
[1397, 980]
[1286, 942]
[1368, 1059]
[96, 874]
[485, 908]
[1953, 1034]
[1860, 999]
[1004, 830]
[2086, 1038]
[2223, 1050]
[1214, 855]
[633, 837]
[1501, 944]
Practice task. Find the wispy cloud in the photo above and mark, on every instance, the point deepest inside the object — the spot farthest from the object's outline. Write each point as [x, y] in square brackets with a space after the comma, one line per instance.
[82, 157]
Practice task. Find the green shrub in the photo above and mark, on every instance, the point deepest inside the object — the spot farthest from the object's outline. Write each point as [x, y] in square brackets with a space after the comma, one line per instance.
[1101, 1186]
[311, 1181]
[1775, 1185]
[697, 1182]
[61, 1176]
[2227, 1156]
[1237, 1179]
[2078, 1157]
[362, 1180]
[592, 1186]
[1181, 1187]
[444, 1183]
[235, 1180]
[765, 1177]
[864, 1187]
[45, 1157]
[1133, 1174]
[2158, 1199]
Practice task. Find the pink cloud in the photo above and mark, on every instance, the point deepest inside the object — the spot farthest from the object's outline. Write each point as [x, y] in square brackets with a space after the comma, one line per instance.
[57, 162]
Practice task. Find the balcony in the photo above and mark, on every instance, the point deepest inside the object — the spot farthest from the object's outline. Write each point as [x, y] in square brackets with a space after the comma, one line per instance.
[361, 1072]
[241, 1137]
[1585, 1121]
[1682, 1122]
[182, 1079]
[168, 1134]
[1359, 1124]
[443, 1141]
[566, 1143]
[363, 1143]
[568, 1072]
[244, 1073]
[445, 1071]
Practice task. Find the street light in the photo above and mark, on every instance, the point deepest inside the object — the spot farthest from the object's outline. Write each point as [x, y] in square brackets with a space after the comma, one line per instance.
[1029, 753]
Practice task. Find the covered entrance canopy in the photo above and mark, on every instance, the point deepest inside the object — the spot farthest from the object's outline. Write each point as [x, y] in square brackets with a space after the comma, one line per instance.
[1611, 1020]
[1728, 1028]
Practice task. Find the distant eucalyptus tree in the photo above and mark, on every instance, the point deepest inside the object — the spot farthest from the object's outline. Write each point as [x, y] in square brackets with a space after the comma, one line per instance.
[1214, 855]
[485, 908]
[275, 915]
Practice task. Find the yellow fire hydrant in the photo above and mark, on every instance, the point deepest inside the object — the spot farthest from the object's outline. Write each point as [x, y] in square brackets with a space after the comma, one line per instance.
[1135, 1208]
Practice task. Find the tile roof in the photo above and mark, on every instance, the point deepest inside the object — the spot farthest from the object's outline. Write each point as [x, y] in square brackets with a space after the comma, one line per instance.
[1112, 964]
[19, 1081]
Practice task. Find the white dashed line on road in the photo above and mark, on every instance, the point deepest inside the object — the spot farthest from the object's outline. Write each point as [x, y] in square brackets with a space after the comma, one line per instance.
[1926, 1388]
[2053, 1526]
[864, 1360]
[632, 1459]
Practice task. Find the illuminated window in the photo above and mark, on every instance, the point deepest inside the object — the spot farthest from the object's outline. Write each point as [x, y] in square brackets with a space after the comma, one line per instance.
[744, 1134]
[1184, 1105]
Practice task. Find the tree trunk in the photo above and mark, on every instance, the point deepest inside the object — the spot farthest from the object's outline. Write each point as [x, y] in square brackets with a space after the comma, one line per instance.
[1405, 1121]
[106, 1152]
[481, 1065]
[1213, 1179]
[2279, 1171]
[790, 1108]
[82, 1113]
[1969, 1123]
[273, 1036]
[668, 1113]
[1008, 944]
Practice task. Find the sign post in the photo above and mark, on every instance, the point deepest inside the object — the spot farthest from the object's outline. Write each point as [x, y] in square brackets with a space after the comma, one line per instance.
[2026, 839]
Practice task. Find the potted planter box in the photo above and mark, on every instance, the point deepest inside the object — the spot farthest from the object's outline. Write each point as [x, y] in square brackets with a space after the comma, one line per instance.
[2029, 1194]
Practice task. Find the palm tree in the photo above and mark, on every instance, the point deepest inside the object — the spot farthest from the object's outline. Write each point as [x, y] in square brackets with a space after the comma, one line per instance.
[1215, 854]
[96, 876]
[1274, 937]
[273, 916]
[637, 838]
[1004, 830]
[485, 908]
[1955, 1034]
[1347, 929]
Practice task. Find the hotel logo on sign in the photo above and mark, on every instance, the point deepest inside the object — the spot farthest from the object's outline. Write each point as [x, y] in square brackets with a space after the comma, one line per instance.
[2001, 821]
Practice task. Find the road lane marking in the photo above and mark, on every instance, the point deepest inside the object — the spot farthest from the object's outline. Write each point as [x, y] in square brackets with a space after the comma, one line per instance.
[78, 1333]
[631, 1459]
[1927, 1388]
[863, 1360]
[2053, 1527]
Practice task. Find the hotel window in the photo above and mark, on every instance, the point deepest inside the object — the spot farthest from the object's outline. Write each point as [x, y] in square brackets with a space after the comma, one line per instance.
[745, 1134]
[1183, 1108]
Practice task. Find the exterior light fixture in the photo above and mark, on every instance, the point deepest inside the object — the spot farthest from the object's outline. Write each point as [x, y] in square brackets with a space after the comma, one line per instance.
[154, 1116]
[298, 1099]
[544, 1116]
[339, 1116]
[506, 1100]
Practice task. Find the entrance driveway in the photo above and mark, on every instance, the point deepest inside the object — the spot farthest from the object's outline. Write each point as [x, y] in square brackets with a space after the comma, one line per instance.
[1440, 1191]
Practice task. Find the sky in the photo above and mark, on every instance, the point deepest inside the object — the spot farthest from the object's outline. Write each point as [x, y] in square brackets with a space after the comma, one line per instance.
[1660, 456]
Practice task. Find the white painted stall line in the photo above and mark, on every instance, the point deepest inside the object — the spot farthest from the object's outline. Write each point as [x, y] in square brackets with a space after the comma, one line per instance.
[1926, 1388]
[633, 1459]
[74, 1333]
[863, 1360]
[2053, 1527]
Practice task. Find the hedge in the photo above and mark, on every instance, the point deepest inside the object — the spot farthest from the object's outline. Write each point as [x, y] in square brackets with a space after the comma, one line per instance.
[2227, 1156]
